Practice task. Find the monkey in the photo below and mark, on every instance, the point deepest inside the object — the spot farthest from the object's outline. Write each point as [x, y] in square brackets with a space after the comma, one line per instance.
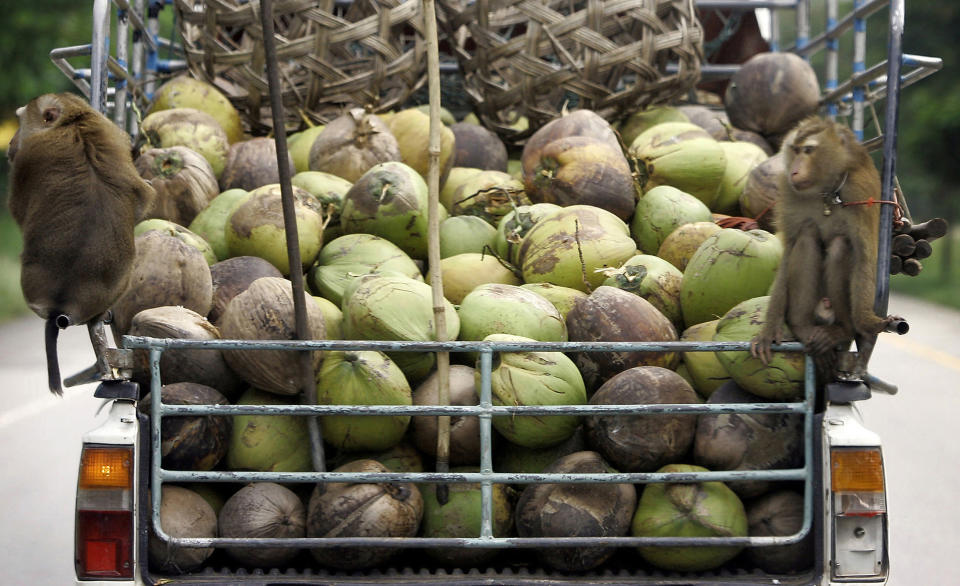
[76, 195]
[830, 219]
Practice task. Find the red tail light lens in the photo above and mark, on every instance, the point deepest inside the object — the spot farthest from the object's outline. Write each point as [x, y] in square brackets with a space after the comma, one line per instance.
[104, 525]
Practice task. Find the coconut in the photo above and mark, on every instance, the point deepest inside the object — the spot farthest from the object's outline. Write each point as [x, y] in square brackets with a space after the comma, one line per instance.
[460, 515]
[641, 120]
[682, 155]
[654, 279]
[680, 245]
[351, 144]
[332, 318]
[662, 210]
[202, 366]
[747, 441]
[411, 127]
[729, 267]
[252, 164]
[191, 128]
[534, 378]
[464, 272]
[488, 194]
[576, 510]
[183, 513]
[495, 308]
[614, 315]
[782, 378]
[211, 223]
[446, 116]
[183, 180]
[263, 510]
[742, 157]
[520, 459]
[763, 189]
[264, 311]
[177, 231]
[389, 200]
[340, 509]
[515, 224]
[563, 298]
[567, 248]
[463, 234]
[457, 177]
[166, 271]
[300, 145]
[714, 121]
[581, 170]
[186, 91]
[232, 276]
[215, 494]
[779, 514]
[380, 307]
[195, 442]
[256, 227]
[642, 443]
[329, 191]
[700, 509]
[268, 443]
[349, 256]
[402, 457]
[706, 371]
[576, 123]
[362, 378]
[464, 431]
[478, 147]
[771, 92]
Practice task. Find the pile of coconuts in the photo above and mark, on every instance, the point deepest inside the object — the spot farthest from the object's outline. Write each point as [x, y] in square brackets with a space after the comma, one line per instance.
[588, 232]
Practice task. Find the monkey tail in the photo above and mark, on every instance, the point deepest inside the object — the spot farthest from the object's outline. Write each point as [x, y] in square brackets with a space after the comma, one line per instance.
[53, 364]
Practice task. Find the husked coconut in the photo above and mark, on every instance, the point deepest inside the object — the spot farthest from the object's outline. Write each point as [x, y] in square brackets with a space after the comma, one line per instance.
[183, 513]
[232, 276]
[263, 510]
[352, 143]
[464, 431]
[195, 442]
[191, 128]
[184, 182]
[478, 147]
[780, 514]
[251, 164]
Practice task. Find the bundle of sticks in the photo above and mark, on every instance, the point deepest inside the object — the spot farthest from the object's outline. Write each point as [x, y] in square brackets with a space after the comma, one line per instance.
[912, 244]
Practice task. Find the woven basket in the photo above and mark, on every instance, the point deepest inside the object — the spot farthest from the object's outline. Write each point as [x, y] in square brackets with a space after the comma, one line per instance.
[535, 57]
[332, 56]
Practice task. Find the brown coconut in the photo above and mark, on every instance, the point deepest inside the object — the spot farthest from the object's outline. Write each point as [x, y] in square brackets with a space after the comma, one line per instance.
[780, 514]
[763, 190]
[205, 367]
[263, 510]
[252, 164]
[610, 314]
[344, 509]
[265, 312]
[771, 92]
[351, 144]
[195, 442]
[184, 182]
[183, 513]
[576, 123]
[232, 276]
[464, 431]
[642, 443]
[166, 271]
[478, 147]
[576, 510]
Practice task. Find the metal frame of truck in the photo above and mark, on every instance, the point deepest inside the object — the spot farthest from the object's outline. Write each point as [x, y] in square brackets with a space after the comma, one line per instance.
[119, 473]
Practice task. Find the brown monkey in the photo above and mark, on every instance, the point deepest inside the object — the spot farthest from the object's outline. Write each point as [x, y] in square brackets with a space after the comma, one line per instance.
[830, 218]
[76, 196]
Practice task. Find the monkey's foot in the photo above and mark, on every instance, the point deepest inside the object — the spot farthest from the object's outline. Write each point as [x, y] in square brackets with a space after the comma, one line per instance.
[760, 345]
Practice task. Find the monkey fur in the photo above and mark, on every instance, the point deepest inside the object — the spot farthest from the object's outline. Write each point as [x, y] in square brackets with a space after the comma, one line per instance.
[830, 227]
[76, 196]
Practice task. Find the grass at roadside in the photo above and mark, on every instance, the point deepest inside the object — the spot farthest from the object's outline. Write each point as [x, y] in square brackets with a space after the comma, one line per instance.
[939, 282]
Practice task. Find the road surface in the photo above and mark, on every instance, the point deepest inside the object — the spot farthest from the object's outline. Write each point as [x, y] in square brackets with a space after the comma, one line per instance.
[40, 435]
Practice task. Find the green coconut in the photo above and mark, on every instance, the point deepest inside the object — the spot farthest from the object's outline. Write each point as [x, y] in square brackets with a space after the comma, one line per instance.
[570, 247]
[411, 127]
[683, 155]
[178, 231]
[700, 509]
[461, 234]
[654, 279]
[520, 459]
[329, 191]
[563, 298]
[706, 370]
[362, 378]
[679, 245]
[641, 120]
[185, 91]
[534, 378]
[191, 128]
[513, 226]
[457, 177]
[211, 223]
[729, 267]
[299, 145]
[495, 308]
[742, 157]
[256, 227]
[381, 307]
[268, 443]
[342, 260]
[332, 317]
[465, 272]
[782, 379]
[489, 195]
[662, 210]
[390, 201]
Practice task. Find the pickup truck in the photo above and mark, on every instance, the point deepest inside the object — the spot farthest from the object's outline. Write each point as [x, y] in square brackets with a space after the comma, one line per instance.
[842, 477]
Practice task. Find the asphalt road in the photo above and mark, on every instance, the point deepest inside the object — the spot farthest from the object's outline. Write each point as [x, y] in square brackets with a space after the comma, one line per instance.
[40, 439]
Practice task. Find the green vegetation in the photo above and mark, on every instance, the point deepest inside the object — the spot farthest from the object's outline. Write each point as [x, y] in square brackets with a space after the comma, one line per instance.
[11, 300]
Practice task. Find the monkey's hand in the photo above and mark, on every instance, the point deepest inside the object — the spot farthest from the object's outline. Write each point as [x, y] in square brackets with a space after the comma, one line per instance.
[823, 339]
[760, 344]
[875, 325]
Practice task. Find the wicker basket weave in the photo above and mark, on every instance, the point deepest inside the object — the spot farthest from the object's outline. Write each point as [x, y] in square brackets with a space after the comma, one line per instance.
[332, 56]
[534, 57]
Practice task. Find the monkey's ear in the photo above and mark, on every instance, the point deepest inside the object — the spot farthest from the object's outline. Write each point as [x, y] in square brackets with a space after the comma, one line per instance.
[51, 114]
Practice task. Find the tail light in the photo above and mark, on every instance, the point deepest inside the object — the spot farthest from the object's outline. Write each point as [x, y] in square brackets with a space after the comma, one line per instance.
[859, 513]
[104, 524]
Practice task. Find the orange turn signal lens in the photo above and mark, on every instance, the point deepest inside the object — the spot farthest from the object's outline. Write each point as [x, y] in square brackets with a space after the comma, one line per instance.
[106, 467]
[856, 470]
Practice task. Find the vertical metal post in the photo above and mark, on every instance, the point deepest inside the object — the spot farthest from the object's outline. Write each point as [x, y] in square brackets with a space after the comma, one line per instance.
[153, 29]
[833, 55]
[156, 488]
[121, 90]
[859, 66]
[137, 59]
[803, 24]
[99, 49]
[486, 445]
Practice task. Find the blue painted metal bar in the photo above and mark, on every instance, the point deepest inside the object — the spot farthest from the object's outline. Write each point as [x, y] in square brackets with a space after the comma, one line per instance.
[833, 54]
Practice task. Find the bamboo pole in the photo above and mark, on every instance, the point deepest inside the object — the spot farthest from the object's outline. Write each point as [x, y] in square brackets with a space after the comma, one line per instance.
[433, 239]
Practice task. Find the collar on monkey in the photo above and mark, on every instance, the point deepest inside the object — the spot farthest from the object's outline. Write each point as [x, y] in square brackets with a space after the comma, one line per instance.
[832, 198]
